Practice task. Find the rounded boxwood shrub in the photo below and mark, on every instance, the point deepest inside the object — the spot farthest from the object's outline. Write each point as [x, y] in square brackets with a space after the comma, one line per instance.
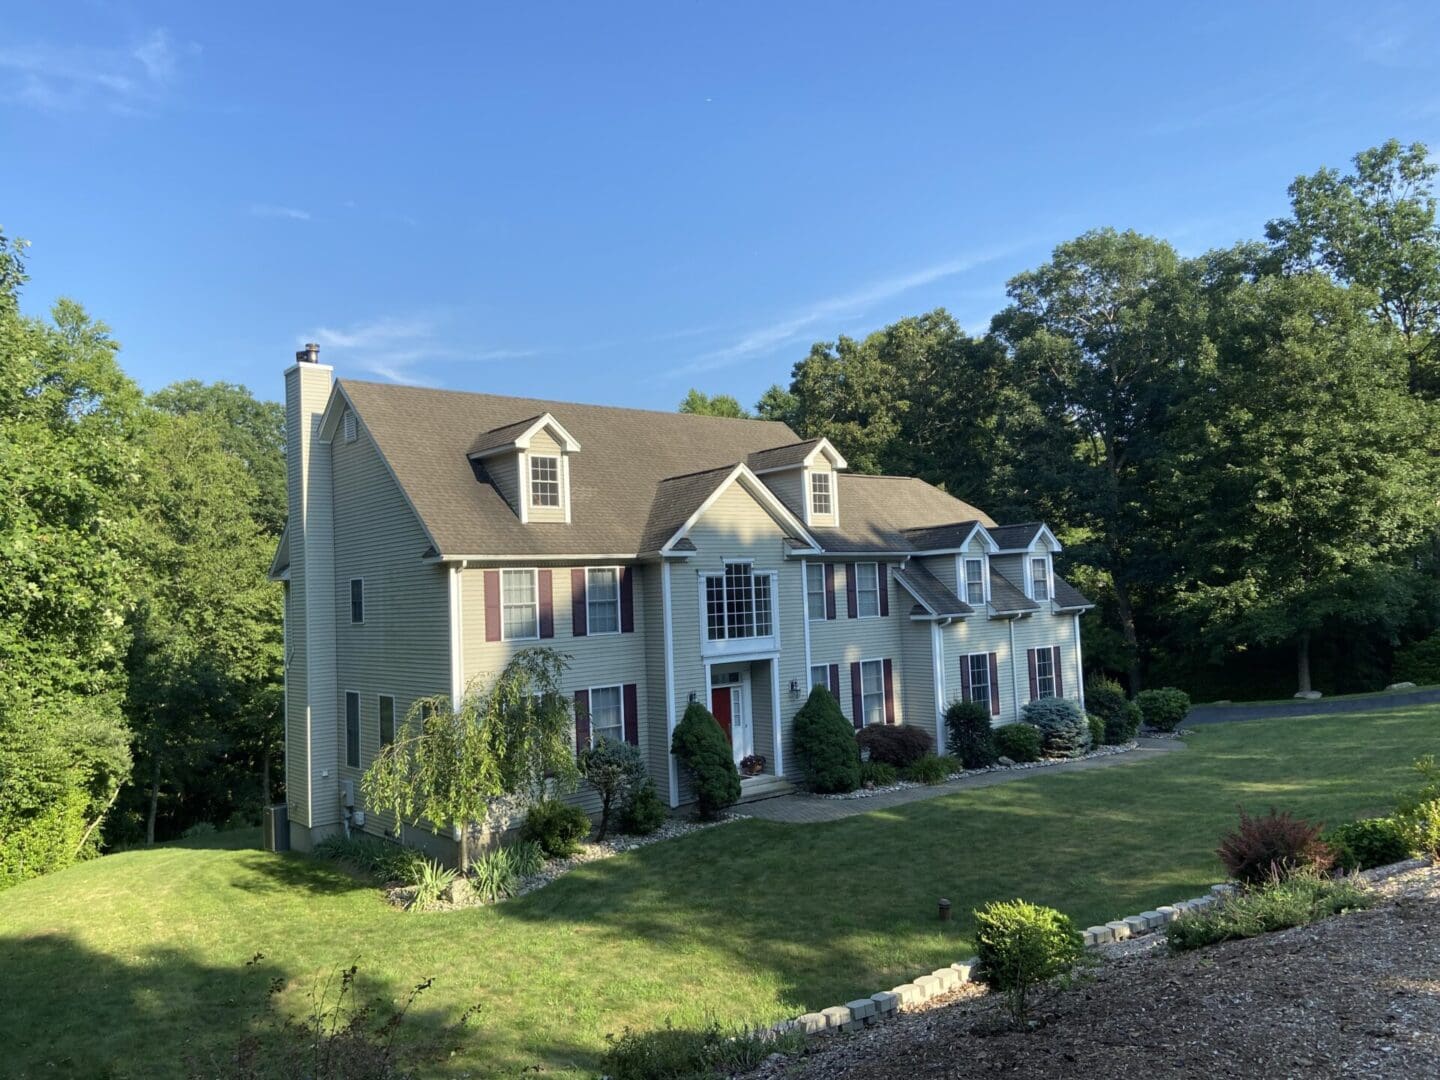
[1368, 843]
[1018, 742]
[971, 738]
[1022, 944]
[1163, 709]
[556, 826]
[929, 769]
[1097, 729]
[895, 744]
[701, 747]
[643, 812]
[825, 744]
[1064, 732]
[1106, 699]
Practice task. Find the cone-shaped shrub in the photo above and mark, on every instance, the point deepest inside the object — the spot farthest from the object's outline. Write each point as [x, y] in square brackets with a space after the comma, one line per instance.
[972, 739]
[1064, 732]
[704, 752]
[825, 744]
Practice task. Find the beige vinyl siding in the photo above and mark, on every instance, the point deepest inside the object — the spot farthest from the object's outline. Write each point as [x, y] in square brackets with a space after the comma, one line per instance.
[977, 634]
[943, 568]
[543, 444]
[402, 649]
[654, 727]
[844, 641]
[1010, 567]
[822, 465]
[738, 527]
[594, 660]
[786, 485]
[762, 712]
[504, 472]
[914, 671]
[297, 747]
[1041, 631]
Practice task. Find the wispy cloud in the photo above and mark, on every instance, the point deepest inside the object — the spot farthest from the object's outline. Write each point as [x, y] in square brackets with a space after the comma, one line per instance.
[395, 349]
[269, 210]
[127, 80]
[802, 323]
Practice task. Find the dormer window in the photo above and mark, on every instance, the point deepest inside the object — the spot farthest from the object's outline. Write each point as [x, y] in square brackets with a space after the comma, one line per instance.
[544, 481]
[821, 502]
[975, 582]
[1040, 579]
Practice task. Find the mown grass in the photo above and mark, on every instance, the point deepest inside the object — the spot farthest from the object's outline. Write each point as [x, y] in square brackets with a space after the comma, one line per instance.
[134, 963]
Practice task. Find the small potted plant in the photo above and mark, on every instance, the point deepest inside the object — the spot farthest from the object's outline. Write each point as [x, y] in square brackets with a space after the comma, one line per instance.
[752, 765]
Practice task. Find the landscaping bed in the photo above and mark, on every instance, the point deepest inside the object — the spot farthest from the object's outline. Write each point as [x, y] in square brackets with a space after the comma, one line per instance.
[1357, 994]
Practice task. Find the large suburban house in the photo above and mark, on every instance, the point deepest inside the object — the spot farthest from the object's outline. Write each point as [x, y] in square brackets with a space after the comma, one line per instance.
[674, 558]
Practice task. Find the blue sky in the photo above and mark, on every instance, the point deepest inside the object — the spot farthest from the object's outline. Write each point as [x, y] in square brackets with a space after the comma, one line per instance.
[615, 202]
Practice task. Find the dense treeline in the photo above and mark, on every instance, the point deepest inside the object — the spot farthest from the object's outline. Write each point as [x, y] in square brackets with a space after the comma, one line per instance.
[1238, 450]
[139, 639]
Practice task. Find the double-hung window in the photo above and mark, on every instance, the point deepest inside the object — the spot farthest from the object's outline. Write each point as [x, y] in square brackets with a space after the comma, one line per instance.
[387, 719]
[979, 677]
[872, 691]
[815, 591]
[520, 606]
[819, 676]
[867, 589]
[607, 715]
[544, 481]
[357, 600]
[821, 502]
[352, 729]
[975, 582]
[602, 601]
[1040, 578]
[1045, 672]
[737, 604]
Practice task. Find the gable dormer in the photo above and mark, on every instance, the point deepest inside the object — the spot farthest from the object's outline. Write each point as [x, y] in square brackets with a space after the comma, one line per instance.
[972, 567]
[529, 464]
[805, 476]
[1027, 557]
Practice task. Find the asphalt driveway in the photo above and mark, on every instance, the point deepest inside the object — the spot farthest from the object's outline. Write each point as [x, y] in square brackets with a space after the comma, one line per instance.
[1220, 714]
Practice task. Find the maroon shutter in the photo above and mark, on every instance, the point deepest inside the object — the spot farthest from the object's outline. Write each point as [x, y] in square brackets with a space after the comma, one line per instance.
[578, 611]
[857, 697]
[994, 685]
[1034, 676]
[492, 605]
[582, 719]
[851, 604]
[1055, 666]
[632, 714]
[830, 597]
[964, 678]
[547, 603]
[889, 670]
[835, 680]
[883, 577]
[627, 600]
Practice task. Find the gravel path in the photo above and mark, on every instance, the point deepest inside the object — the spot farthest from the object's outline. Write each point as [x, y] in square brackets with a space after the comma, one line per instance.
[1398, 699]
[1357, 995]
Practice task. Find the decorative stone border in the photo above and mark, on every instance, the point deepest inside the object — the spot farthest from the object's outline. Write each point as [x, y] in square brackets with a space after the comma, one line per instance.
[1044, 763]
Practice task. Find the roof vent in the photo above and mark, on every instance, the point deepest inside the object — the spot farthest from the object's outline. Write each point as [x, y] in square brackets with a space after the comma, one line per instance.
[310, 354]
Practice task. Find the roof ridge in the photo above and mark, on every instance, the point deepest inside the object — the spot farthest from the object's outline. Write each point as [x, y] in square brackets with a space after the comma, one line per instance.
[701, 472]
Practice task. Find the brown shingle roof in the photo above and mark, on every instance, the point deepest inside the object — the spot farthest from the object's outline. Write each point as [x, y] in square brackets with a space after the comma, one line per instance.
[1015, 537]
[782, 456]
[1069, 598]
[1006, 596]
[877, 511]
[940, 537]
[502, 436]
[931, 591]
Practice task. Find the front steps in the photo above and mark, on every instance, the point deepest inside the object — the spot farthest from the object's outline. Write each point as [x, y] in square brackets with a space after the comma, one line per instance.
[755, 788]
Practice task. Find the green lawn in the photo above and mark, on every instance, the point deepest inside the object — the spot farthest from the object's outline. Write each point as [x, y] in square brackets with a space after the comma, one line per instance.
[134, 962]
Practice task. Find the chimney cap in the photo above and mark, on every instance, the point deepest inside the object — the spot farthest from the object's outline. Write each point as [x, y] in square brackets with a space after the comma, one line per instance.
[310, 354]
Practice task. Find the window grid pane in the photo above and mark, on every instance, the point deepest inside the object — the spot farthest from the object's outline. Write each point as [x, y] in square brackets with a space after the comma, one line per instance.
[738, 604]
[1041, 576]
[387, 720]
[980, 678]
[867, 589]
[357, 600]
[974, 581]
[819, 676]
[1045, 672]
[607, 717]
[820, 493]
[602, 601]
[352, 729]
[872, 690]
[815, 590]
[715, 607]
[521, 609]
[544, 481]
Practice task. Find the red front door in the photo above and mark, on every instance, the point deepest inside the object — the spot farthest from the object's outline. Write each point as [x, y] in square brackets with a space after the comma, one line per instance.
[720, 708]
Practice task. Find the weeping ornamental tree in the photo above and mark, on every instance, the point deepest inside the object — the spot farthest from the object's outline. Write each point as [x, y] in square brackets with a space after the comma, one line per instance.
[510, 741]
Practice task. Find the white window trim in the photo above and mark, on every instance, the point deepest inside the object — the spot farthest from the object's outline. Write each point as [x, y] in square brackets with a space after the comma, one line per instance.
[359, 728]
[1030, 561]
[1039, 678]
[858, 613]
[811, 475]
[864, 712]
[394, 720]
[350, 602]
[760, 647]
[961, 577]
[535, 592]
[992, 692]
[824, 670]
[530, 462]
[588, 621]
[619, 688]
[824, 606]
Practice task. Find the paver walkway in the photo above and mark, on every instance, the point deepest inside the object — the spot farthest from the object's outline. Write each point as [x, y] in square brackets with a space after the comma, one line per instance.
[807, 809]
[1395, 699]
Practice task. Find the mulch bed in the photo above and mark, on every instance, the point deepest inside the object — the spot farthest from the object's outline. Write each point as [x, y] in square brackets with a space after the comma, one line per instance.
[1356, 995]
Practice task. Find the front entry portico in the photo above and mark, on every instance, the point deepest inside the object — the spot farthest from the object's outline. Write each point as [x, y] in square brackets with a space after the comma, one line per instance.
[731, 705]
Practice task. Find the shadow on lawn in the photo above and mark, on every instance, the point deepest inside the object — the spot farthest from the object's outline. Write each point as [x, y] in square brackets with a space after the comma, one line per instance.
[77, 1012]
[284, 872]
